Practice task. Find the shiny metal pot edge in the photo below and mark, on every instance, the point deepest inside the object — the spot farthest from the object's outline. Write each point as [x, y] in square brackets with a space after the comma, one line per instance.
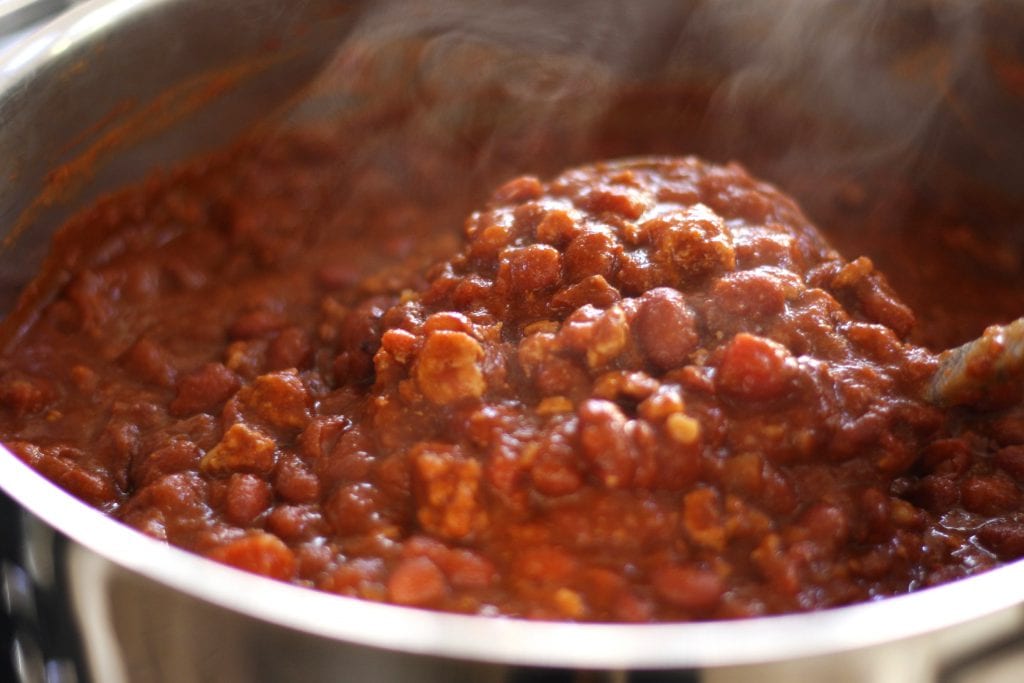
[943, 622]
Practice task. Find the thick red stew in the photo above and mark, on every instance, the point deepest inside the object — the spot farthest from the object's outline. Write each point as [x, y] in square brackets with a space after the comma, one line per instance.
[634, 391]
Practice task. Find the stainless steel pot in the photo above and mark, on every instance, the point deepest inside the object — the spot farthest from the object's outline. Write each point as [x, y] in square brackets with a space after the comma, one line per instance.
[89, 94]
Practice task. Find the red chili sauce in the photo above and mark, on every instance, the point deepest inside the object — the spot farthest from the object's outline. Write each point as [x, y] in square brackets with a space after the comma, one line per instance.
[637, 391]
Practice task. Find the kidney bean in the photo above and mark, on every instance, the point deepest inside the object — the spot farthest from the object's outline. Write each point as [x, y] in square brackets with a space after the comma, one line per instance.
[533, 268]
[352, 509]
[666, 328]
[295, 523]
[257, 323]
[519, 190]
[151, 361]
[1011, 460]
[936, 492]
[754, 368]
[178, 455]
[946, 457]
[1004, 537]
[751, 296]
[554, 470]
[467, 569]
[204, 389]
[691, 588]
[59, 465]
[989, 495]
[295, 482]
[248, 497]
[600, 335]
[290, 348]
[181, 495]
[593, 290]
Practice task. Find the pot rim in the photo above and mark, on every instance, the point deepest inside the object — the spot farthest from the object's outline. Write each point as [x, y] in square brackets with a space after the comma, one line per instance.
[478, 638]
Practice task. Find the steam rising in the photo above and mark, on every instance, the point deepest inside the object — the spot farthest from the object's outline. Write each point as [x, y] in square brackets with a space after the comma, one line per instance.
[795, 86]
[884, 71]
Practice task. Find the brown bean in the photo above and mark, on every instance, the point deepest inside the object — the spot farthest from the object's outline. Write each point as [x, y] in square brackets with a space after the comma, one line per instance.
[989, 495]
[180, 496]
[600, 335]
[593, 290]
[1011, 460]
[151, 362]
[752, 295]
[290, 348]
[418, 582]
[859, 284]
[257, 323]
[467, 569]
[178, 455]
[203, 390]
[545, 564]
[666, 328]
[321, 435]
[827, 526]
[352, 509]
[518, 190]
[755, 369]
[295, 482]
[555, 471]
[248, 497]
[946, 457]
[295, 523]
[691, 588]
[348, 461]
[1004, 537]
[936, 493]
[744, 473]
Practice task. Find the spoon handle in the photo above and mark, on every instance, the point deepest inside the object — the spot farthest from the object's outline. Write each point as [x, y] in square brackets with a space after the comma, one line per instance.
[977, 369]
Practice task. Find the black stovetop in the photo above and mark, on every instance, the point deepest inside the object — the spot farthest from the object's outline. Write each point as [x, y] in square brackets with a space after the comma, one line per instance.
[34, 630]
[8, 549]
